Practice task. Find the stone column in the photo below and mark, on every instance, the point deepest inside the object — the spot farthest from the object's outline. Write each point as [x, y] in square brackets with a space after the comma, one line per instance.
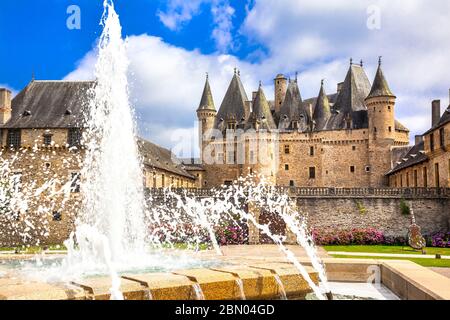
[253, 231]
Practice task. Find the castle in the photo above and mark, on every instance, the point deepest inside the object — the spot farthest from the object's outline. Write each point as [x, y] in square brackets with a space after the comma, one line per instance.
[346, 139]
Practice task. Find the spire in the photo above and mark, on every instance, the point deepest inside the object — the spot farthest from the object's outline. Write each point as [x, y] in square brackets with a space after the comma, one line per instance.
[233, 103]
[322, 110]
[261, 111]
[207, 101]
[380, 87]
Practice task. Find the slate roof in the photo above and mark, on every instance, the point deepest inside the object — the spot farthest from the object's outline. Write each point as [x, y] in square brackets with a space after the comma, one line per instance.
[233, 104]
[380, 87]
[49, 104]
[158, 157]
[414, 156]
[207, 101]
[355, 90]
[261, 112]
[292, 108]
[348, 104]
[322, 112]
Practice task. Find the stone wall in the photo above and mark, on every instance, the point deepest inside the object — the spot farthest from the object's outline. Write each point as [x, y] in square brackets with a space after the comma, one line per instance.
[380, 213]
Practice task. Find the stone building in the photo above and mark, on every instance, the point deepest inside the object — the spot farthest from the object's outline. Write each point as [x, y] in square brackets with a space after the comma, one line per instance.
[346, 139]
[427, 163]
[42, 153]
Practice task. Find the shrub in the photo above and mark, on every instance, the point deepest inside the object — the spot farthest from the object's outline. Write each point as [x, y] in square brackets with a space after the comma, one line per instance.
[405, 209]
[438, 239]
[355, 236]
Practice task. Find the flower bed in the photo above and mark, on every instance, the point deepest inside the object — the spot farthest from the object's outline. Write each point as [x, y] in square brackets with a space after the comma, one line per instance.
[372, 236]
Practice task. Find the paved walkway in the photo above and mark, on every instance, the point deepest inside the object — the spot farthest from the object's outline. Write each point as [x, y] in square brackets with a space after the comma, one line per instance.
[387, 255]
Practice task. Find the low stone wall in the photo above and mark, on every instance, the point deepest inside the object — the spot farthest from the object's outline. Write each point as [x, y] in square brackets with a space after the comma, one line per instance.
[383, 214]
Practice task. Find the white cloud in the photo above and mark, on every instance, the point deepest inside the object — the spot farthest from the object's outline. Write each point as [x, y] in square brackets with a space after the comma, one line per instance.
[179, 12]
[222, 14]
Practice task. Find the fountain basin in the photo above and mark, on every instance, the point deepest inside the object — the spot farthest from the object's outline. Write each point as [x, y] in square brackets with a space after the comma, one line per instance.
[217, 284]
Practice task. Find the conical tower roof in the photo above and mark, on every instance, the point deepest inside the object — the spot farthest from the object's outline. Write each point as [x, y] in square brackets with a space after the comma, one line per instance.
[261, 111]
[207, 101]
[292, 102]
[322, 110]
[233, 103]
[380, 87]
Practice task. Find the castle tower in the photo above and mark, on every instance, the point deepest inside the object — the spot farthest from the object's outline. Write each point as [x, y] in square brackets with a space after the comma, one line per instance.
[380, 109]
[280, 91]
[206, 114]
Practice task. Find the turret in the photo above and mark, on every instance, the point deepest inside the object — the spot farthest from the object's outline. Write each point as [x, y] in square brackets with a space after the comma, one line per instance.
[380, 106]
[380, 109]
[280, 91]
[206, 113]
[5, 105]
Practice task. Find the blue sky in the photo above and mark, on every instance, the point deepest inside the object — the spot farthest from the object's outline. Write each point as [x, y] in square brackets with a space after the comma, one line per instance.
[172, 43]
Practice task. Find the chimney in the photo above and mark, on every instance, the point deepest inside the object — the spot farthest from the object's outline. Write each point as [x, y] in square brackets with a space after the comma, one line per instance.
[435, 112]
[5, 105]
[339, 86]
[418, 139]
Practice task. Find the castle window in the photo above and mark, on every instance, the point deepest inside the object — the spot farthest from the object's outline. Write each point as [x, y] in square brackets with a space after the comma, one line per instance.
[291, 183]
[47, 139]
[352, 169]
[375, 129]
[311, 151]
[389, 107]
[154, 180]
[353, 148]
[312, 172]
[75, 182]
[425, 177]
[228, 182]
[436, 175]
[251, 171]
[286, 167]
[367, 168]
[432, 142]
[14, 138]
[442, 137]
[57, 216]
[163, 181]
[390, 129]
[74, 137]
[287, 149]
[220, 158]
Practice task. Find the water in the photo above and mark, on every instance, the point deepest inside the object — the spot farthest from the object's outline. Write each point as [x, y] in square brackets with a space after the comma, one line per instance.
[283, 295]
[240, 285]
[198, 291]
[116, 224]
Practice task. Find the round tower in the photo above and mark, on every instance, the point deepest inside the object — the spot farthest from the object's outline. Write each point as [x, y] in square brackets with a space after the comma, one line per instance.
[380, 108]
[280, 91]
[206, 114]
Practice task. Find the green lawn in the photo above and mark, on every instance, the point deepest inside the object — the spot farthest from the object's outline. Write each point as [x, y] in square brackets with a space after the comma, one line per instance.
[442, 263]
[387, 249]
[445, 263]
